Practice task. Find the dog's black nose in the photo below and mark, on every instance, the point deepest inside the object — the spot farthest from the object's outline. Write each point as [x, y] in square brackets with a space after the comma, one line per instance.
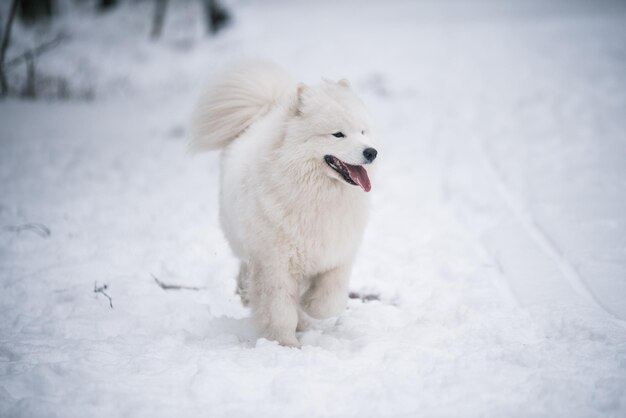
[370, 154]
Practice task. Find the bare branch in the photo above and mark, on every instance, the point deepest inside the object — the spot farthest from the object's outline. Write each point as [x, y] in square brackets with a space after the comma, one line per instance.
[37, 228]
[38, 50]
[166, 286]
[102, 289]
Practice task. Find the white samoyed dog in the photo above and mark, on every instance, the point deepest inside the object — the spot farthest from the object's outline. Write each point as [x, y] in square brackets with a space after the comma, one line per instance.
[295, 171]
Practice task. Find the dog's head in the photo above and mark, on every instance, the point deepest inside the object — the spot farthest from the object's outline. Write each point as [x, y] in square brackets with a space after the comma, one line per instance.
[332, 126]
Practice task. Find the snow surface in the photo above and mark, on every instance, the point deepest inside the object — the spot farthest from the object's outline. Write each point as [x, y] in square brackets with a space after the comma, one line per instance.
[497, 242]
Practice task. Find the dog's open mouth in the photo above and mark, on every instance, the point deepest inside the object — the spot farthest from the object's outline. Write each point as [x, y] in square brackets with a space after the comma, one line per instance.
[352, 174]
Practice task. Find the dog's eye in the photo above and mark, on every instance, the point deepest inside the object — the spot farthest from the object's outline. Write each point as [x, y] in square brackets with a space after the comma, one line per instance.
[339, 135]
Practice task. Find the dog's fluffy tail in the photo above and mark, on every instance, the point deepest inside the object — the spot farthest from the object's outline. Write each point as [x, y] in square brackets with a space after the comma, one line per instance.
[236, 100]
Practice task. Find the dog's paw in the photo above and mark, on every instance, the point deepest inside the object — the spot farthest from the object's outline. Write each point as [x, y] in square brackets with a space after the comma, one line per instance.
[282, 337]
[268, 342]
[290, 342]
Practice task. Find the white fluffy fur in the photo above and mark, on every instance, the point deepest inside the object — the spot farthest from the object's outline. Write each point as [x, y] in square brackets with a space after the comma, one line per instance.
[240, 97]
[292, 221]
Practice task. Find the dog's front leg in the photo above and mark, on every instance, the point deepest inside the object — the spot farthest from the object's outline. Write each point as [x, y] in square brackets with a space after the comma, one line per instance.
[274, 302]
[328, 293]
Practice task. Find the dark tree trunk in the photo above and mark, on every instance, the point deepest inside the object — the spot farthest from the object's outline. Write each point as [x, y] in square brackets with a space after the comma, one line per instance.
[104, 5]
[6, 38]
[34, 10]
[160, 9]
[215, 15]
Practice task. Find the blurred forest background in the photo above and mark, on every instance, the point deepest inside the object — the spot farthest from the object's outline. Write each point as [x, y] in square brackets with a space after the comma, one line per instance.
[33, 29]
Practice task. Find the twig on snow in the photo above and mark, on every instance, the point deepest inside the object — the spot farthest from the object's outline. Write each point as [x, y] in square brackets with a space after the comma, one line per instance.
[364, 297]
[166, 286]
[101, 289]
[37, 228]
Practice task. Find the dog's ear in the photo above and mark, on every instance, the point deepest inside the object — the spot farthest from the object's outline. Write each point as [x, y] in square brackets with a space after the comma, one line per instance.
[344, 82]
[301, 92]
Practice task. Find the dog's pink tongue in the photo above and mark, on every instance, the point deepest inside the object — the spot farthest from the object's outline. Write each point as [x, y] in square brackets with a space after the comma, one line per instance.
[359, 175]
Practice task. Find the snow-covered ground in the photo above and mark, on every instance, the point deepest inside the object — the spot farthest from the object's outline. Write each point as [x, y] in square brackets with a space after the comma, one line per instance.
[497, 242]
